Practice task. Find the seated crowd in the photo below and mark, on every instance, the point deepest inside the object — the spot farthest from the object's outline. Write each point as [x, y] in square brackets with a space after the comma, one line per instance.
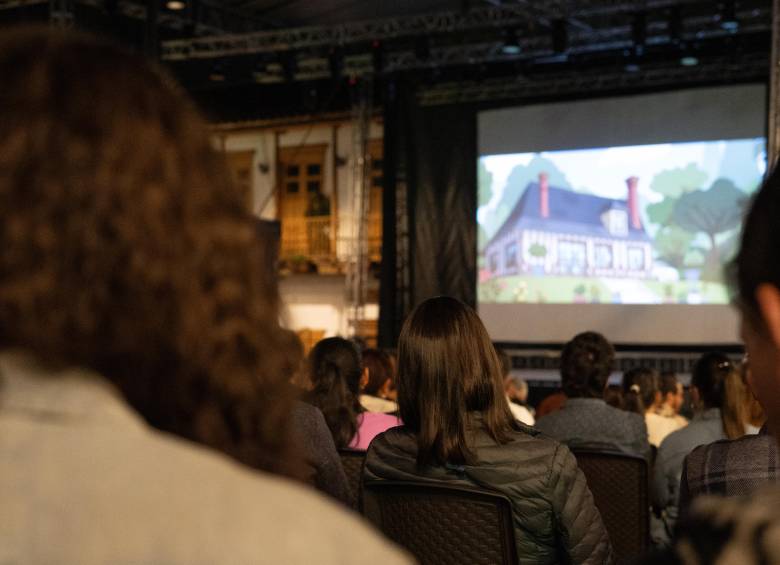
[152, 410]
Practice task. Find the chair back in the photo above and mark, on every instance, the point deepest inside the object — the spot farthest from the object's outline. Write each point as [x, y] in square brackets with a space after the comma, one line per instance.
[619, 483]
[352, 461]
[443, 524]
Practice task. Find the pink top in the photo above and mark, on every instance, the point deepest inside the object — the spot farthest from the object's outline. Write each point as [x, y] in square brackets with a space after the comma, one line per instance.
[369, 425]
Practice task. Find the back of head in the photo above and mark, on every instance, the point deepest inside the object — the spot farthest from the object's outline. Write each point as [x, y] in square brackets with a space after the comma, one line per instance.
[719, 385]
[757, 260]
[380, 370]
[335, 371]
[448, 375]
[668, 383]
[125, 247]
[586, 363]
[640, 389]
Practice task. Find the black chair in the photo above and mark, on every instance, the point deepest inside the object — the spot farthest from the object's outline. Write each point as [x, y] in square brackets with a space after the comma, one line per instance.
[352, 461]
[619, 483]
[442, 524]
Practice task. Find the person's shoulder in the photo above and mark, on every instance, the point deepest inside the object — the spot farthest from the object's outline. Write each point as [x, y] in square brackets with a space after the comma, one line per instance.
[631, 417]
[266, 511]
[709, 534]
[676, 439]
[382, 418]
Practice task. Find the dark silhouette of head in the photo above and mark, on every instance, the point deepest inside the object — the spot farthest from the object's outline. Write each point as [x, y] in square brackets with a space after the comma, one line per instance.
[640, 389]
[718, 384]
[380, 371]
[586, 363]
[335, 371]
[126, 248]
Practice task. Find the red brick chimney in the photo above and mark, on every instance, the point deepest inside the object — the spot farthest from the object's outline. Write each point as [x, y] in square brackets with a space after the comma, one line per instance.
[544, 195]
[633, 202]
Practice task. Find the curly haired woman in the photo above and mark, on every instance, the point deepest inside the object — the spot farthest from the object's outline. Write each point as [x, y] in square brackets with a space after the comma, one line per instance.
[129, 278]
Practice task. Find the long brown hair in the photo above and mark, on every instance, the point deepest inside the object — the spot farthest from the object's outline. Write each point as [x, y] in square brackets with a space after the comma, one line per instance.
[448, 371]
[126, 249]
[335, 371]
[720, 386]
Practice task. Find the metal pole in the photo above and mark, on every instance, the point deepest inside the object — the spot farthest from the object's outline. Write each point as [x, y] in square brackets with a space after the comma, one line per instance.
[773, 127]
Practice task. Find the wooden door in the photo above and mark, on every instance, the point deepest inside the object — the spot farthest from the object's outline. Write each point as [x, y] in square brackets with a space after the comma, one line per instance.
[304, 211]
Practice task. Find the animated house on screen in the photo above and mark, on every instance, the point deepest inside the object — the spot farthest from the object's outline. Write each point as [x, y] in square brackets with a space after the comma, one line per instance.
[639, 229]
[554, 231]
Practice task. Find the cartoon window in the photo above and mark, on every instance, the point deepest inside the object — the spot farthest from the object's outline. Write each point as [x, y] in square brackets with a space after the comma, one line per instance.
[636, 258]
[617, 222]
[571, 256]
[603, 256]
[510, 256]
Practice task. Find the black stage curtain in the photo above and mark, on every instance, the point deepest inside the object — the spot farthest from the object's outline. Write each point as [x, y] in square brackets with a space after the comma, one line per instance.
[430, 206]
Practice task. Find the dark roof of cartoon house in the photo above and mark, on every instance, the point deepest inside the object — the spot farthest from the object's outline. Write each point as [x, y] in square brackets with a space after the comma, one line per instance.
[570, 212]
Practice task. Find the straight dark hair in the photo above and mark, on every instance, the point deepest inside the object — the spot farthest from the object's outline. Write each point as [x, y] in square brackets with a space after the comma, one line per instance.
[448, 373]
[640, 386]
[335, 370]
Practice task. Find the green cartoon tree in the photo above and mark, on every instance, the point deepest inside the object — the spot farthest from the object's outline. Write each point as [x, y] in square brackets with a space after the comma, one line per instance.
[672, 245]
[672, 184]
[712, 211]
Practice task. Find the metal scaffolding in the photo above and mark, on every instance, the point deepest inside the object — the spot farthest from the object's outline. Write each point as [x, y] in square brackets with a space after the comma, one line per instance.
[357, 255]
[592, 24]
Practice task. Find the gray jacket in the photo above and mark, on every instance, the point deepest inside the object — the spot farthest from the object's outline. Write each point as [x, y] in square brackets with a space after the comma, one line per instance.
[555, 517]
[592, 423]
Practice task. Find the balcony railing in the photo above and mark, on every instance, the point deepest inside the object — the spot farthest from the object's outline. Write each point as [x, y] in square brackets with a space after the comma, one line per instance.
[307, 237]
[312, 238]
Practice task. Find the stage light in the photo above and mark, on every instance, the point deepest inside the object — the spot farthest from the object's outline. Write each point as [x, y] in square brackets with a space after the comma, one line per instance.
[689, 61]
[511, 44]
[728, 17]
[175, 5]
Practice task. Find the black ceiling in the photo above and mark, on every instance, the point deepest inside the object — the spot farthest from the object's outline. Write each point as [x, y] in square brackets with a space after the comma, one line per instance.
[296, 13]
[602, 38]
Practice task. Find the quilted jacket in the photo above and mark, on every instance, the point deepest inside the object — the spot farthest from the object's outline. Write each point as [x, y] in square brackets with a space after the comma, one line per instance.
[555, 518]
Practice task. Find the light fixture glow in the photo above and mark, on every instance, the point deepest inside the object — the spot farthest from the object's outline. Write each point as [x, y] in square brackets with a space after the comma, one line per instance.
[175, 5]
[689, 61]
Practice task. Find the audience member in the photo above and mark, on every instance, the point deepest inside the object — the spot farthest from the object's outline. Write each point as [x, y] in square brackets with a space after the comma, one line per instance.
[295, 364]
[458, 429]
[317, 460]
[551, 403]
[376, 392]
[129, 277]
[641, 395]
[337, 375]
[755, 418]
[736, 530]
[516, 390]
[613, 395]
[586, 420]
[672, 398]
[717, 391]
[731, 467]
